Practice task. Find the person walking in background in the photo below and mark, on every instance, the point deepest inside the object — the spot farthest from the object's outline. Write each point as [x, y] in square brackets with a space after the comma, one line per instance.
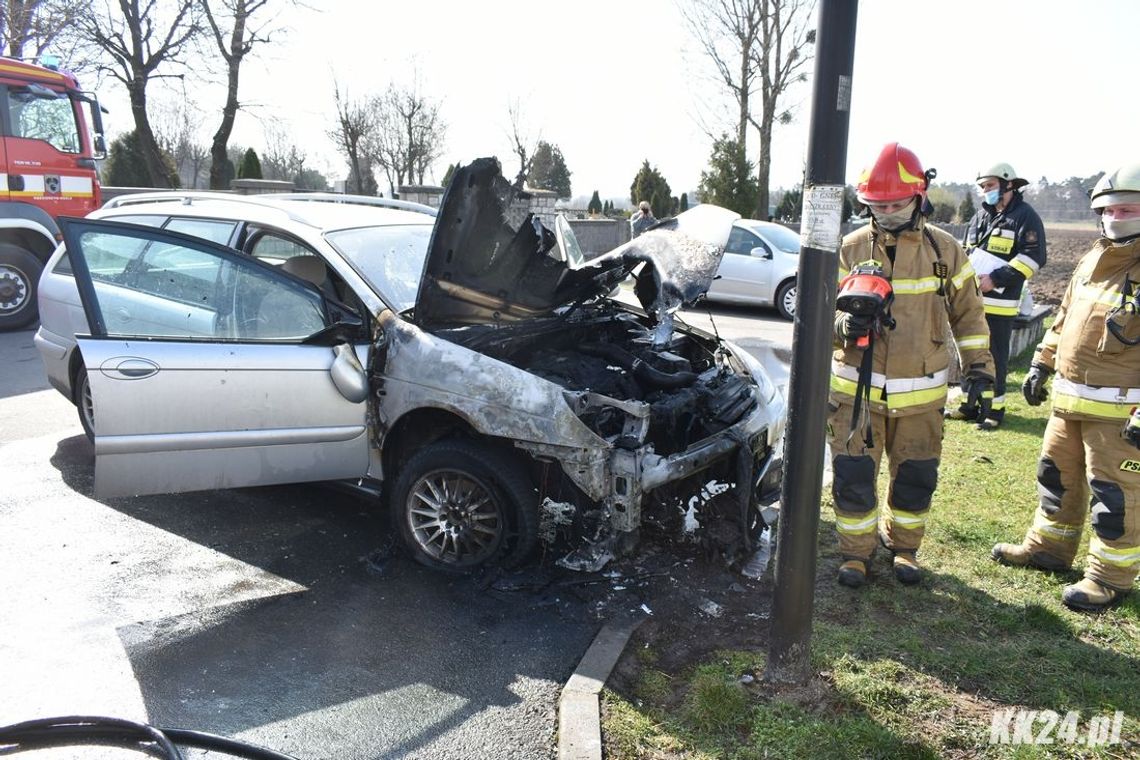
[893, 401]
[1093, 434]
[1006, 243]
[643, 219]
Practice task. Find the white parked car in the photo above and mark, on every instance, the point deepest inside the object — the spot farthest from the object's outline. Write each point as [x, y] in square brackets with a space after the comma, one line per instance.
[467, 367]
[759, 267]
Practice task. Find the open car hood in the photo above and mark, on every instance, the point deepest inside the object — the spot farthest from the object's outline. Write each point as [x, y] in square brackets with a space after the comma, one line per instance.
[490, 260]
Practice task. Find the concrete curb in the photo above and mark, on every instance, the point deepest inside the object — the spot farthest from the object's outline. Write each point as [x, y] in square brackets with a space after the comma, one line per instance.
[579, 710]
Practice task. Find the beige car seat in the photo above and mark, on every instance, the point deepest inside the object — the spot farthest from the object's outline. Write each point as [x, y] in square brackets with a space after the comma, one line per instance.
[312, 269]
[284, 314]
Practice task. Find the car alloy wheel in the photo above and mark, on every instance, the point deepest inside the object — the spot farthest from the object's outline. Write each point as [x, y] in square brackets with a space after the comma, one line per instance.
[455, 518]
[459, 504]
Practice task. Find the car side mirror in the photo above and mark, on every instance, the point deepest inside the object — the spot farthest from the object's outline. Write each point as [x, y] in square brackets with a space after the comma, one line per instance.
[335, 334]
[345, 326]
[761, 252]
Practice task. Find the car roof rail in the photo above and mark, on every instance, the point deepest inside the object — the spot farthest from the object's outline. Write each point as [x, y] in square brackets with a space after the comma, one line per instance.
[162, 196]
[362, 200]
[187, 197]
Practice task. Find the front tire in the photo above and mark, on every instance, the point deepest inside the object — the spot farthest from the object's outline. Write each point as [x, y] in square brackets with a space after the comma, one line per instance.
[786, 300]
[458, 506]
[19, 278]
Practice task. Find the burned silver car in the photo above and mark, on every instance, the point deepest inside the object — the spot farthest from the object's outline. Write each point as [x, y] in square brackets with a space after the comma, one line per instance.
[511, 403]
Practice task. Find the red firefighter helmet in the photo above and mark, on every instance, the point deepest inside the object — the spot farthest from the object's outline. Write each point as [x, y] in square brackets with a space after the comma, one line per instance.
[896, 175]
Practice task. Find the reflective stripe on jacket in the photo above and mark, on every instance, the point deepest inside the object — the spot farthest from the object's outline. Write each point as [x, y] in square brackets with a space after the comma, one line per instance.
[1098, 376]
[1016, 236]
[910, 363]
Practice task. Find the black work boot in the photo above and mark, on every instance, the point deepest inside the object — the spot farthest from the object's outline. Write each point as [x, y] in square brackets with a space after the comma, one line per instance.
[852, 573]
[992, 421]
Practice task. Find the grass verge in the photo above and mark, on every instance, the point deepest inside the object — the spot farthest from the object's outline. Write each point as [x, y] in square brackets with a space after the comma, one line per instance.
[918, 672]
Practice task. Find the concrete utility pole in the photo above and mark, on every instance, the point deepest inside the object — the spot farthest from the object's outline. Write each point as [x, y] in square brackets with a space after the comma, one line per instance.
[794, 595]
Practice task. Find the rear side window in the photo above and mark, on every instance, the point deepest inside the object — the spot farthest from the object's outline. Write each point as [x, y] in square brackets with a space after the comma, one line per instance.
[214, 230]
[275, 249]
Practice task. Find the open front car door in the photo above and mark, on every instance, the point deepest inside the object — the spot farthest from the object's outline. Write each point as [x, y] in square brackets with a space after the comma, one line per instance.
[209, 369]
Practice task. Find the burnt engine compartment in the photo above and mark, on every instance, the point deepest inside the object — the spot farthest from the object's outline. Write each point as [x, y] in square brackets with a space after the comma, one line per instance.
[692, 386]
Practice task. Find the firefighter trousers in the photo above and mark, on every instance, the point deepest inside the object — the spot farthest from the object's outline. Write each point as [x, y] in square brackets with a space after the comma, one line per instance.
[913, 445]
[1082, 458]
[1001, 333]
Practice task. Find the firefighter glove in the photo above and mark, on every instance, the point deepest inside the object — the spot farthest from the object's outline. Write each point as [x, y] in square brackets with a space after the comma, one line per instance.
[979, 394]
[1034, 386]
[1131, 432]
[854, 326]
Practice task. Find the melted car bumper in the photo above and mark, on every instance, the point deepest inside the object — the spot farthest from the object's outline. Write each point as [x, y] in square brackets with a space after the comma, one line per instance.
[620, 478]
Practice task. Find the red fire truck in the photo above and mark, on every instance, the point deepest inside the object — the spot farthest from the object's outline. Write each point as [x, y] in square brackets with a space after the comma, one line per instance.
[47, 170]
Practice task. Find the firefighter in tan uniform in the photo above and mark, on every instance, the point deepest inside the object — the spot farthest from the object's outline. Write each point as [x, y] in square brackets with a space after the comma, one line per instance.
[1092, 435]
[901, 413]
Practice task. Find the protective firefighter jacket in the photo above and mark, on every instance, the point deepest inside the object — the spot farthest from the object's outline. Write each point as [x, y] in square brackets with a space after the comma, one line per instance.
[1016, 236]
[910, 364]
[1098, 376]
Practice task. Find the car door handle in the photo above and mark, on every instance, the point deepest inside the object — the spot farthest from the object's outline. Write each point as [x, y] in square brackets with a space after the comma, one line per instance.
[128, 368]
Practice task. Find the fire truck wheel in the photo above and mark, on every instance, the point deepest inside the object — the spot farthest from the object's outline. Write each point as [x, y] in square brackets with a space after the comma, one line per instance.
[19, 276]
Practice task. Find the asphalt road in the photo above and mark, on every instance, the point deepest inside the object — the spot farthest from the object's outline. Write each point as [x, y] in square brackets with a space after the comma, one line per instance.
[273, 615]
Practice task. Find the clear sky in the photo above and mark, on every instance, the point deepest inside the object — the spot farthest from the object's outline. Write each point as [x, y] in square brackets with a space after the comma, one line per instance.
[1046, 85]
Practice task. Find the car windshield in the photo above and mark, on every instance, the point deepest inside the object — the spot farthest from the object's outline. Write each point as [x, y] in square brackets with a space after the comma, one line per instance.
[390, 258]
[783, 238]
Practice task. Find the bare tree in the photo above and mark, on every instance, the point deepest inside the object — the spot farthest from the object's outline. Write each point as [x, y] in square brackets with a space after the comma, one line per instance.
[177, 126]
[235, 33]
[195, 157]
[355, 121]
[137, 43]
[37, 24]
[784, 50]
[758, 48]
[523, 143]
[409, 134]
[426, 135]
[387, 144]
[726, 31]
[281, 159]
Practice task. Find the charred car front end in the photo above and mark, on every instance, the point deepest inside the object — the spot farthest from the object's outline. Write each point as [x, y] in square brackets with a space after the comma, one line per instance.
[621, 417]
